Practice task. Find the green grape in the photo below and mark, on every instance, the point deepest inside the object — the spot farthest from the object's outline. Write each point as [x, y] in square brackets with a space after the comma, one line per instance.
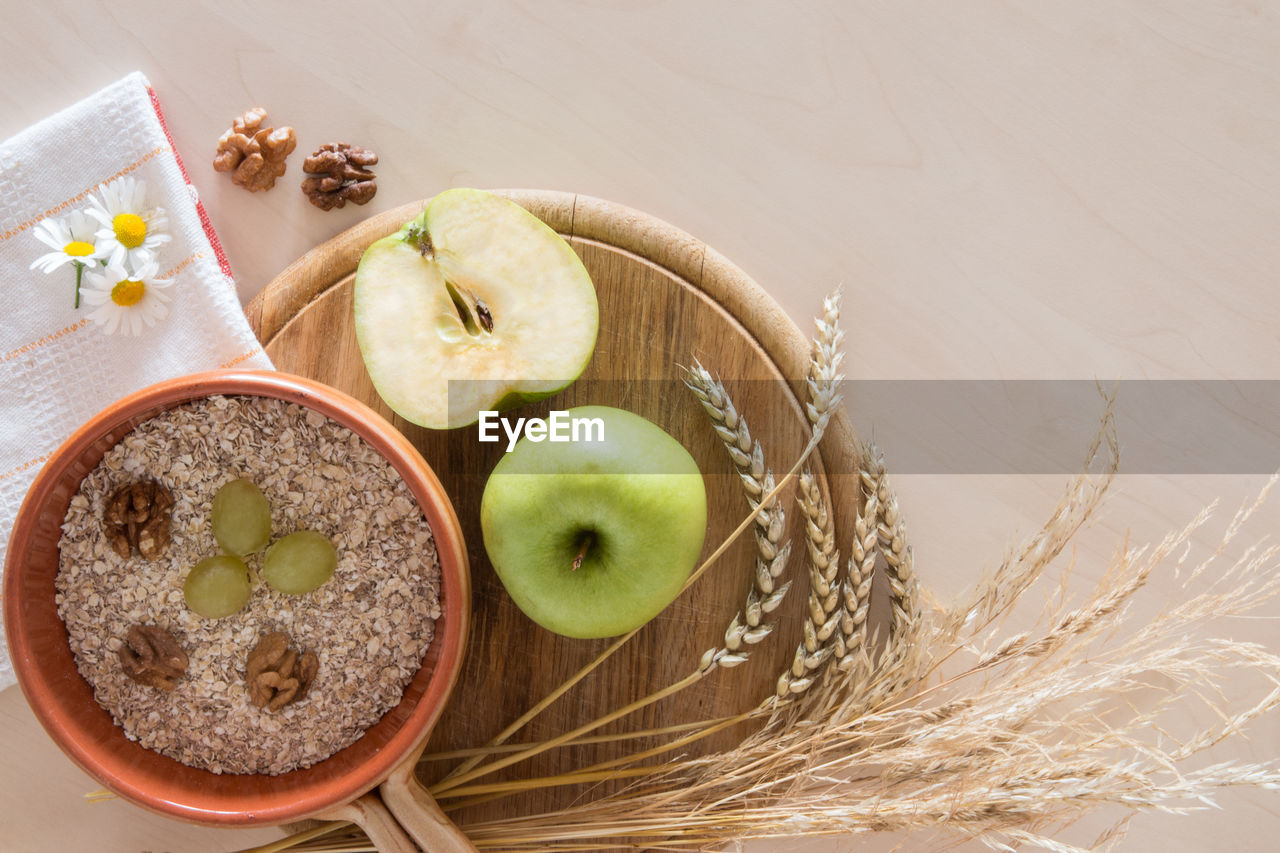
[241, 518]
[217, 586]
[300, 562]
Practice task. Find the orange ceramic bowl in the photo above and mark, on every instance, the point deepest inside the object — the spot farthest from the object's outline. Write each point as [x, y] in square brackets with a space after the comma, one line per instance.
[64, 702]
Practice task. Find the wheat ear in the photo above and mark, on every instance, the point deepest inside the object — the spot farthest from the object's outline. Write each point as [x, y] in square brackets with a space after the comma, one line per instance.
[821, 639]
[750, 625]
[892, 534]
[824, 362]
[853, 656]
[821, 626]
[902, 659]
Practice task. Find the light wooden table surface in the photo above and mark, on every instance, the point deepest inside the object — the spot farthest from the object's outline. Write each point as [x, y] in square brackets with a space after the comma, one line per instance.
[1036, 190]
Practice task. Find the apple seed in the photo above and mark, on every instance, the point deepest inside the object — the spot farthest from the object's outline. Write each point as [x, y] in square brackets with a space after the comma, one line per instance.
[472, 310]
[486, 319]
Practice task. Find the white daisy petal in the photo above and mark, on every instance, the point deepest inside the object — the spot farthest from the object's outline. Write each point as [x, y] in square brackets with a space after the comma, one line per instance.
[111, 193]
[52, 233]
[80, 226]
[137, 191]
[140, 257]
[61, 235]
[142, 300]
[47, 263]
[146, 269]
[93, 297]
[127, 196]
[106, 318]
[100, 216]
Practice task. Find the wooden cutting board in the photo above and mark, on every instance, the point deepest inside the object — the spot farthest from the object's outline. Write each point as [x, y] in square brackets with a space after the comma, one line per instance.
[665, 299]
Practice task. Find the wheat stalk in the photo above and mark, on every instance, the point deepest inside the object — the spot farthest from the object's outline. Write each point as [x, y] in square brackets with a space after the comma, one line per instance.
[952, 727]
[998, 590]
[750, 625]
[821, 638]
[987, 750]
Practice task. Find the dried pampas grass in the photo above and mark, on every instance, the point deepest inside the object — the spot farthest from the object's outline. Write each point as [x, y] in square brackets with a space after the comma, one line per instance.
[943, 720]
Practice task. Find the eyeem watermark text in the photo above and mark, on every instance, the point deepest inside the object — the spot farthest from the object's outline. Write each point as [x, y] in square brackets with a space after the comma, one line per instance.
[558, 426]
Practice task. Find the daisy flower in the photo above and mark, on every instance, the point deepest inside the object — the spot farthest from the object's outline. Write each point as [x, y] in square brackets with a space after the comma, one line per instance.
[130, 230]
[126, 302]
[72, 242]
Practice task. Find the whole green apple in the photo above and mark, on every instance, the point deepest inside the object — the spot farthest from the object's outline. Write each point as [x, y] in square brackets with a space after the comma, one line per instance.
[594, 538]
[474, 305]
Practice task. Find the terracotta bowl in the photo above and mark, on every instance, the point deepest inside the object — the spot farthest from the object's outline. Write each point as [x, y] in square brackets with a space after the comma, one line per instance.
[64, 702]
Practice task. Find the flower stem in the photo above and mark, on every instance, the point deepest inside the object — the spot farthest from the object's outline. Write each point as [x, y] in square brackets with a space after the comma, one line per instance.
[79, 275]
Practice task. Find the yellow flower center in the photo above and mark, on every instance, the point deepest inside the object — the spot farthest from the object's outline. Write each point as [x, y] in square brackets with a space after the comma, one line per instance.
[78, 248]
[130, 230]
[127, 292]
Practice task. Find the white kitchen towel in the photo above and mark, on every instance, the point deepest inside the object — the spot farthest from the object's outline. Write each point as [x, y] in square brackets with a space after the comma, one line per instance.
[57, 367]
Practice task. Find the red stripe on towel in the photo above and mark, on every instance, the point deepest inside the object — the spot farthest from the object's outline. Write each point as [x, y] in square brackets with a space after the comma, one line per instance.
[200, 211]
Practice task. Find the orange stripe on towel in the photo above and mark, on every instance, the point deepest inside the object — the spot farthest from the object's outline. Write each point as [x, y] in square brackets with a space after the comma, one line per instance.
[182, 265]
[49, 338]
[240, 359]
[79, 197]
[30, 463]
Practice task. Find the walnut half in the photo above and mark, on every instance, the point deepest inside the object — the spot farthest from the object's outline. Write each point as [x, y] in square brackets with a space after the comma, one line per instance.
[254, 155]
[151, 656]
[339, 173]
[137, 517]
[276, 674]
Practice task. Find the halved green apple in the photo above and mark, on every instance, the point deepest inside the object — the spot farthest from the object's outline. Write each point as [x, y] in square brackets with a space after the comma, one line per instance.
[474, 305]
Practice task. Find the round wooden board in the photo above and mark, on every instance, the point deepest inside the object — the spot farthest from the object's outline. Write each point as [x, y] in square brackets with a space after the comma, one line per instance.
[665, 300]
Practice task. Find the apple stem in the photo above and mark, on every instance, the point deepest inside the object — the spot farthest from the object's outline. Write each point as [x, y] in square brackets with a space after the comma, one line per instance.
[584, 546]
[419, 237]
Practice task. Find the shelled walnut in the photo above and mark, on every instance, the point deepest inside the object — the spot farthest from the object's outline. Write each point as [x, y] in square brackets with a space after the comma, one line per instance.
[137, 518]
[337, 174]
[254, 155]
[152, 656]
[276, 674]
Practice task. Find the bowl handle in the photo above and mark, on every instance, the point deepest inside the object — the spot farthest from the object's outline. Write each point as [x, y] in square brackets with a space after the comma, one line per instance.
[371, 815]
[419, 814]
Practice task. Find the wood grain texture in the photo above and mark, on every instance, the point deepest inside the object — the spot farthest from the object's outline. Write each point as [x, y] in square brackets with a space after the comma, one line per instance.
[657, 310]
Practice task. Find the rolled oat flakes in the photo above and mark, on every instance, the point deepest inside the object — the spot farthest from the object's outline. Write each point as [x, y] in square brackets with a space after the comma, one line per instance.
[370, 624]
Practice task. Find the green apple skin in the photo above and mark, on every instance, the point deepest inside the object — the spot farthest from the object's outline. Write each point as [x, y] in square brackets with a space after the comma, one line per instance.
[639, 497]
[475, 289]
